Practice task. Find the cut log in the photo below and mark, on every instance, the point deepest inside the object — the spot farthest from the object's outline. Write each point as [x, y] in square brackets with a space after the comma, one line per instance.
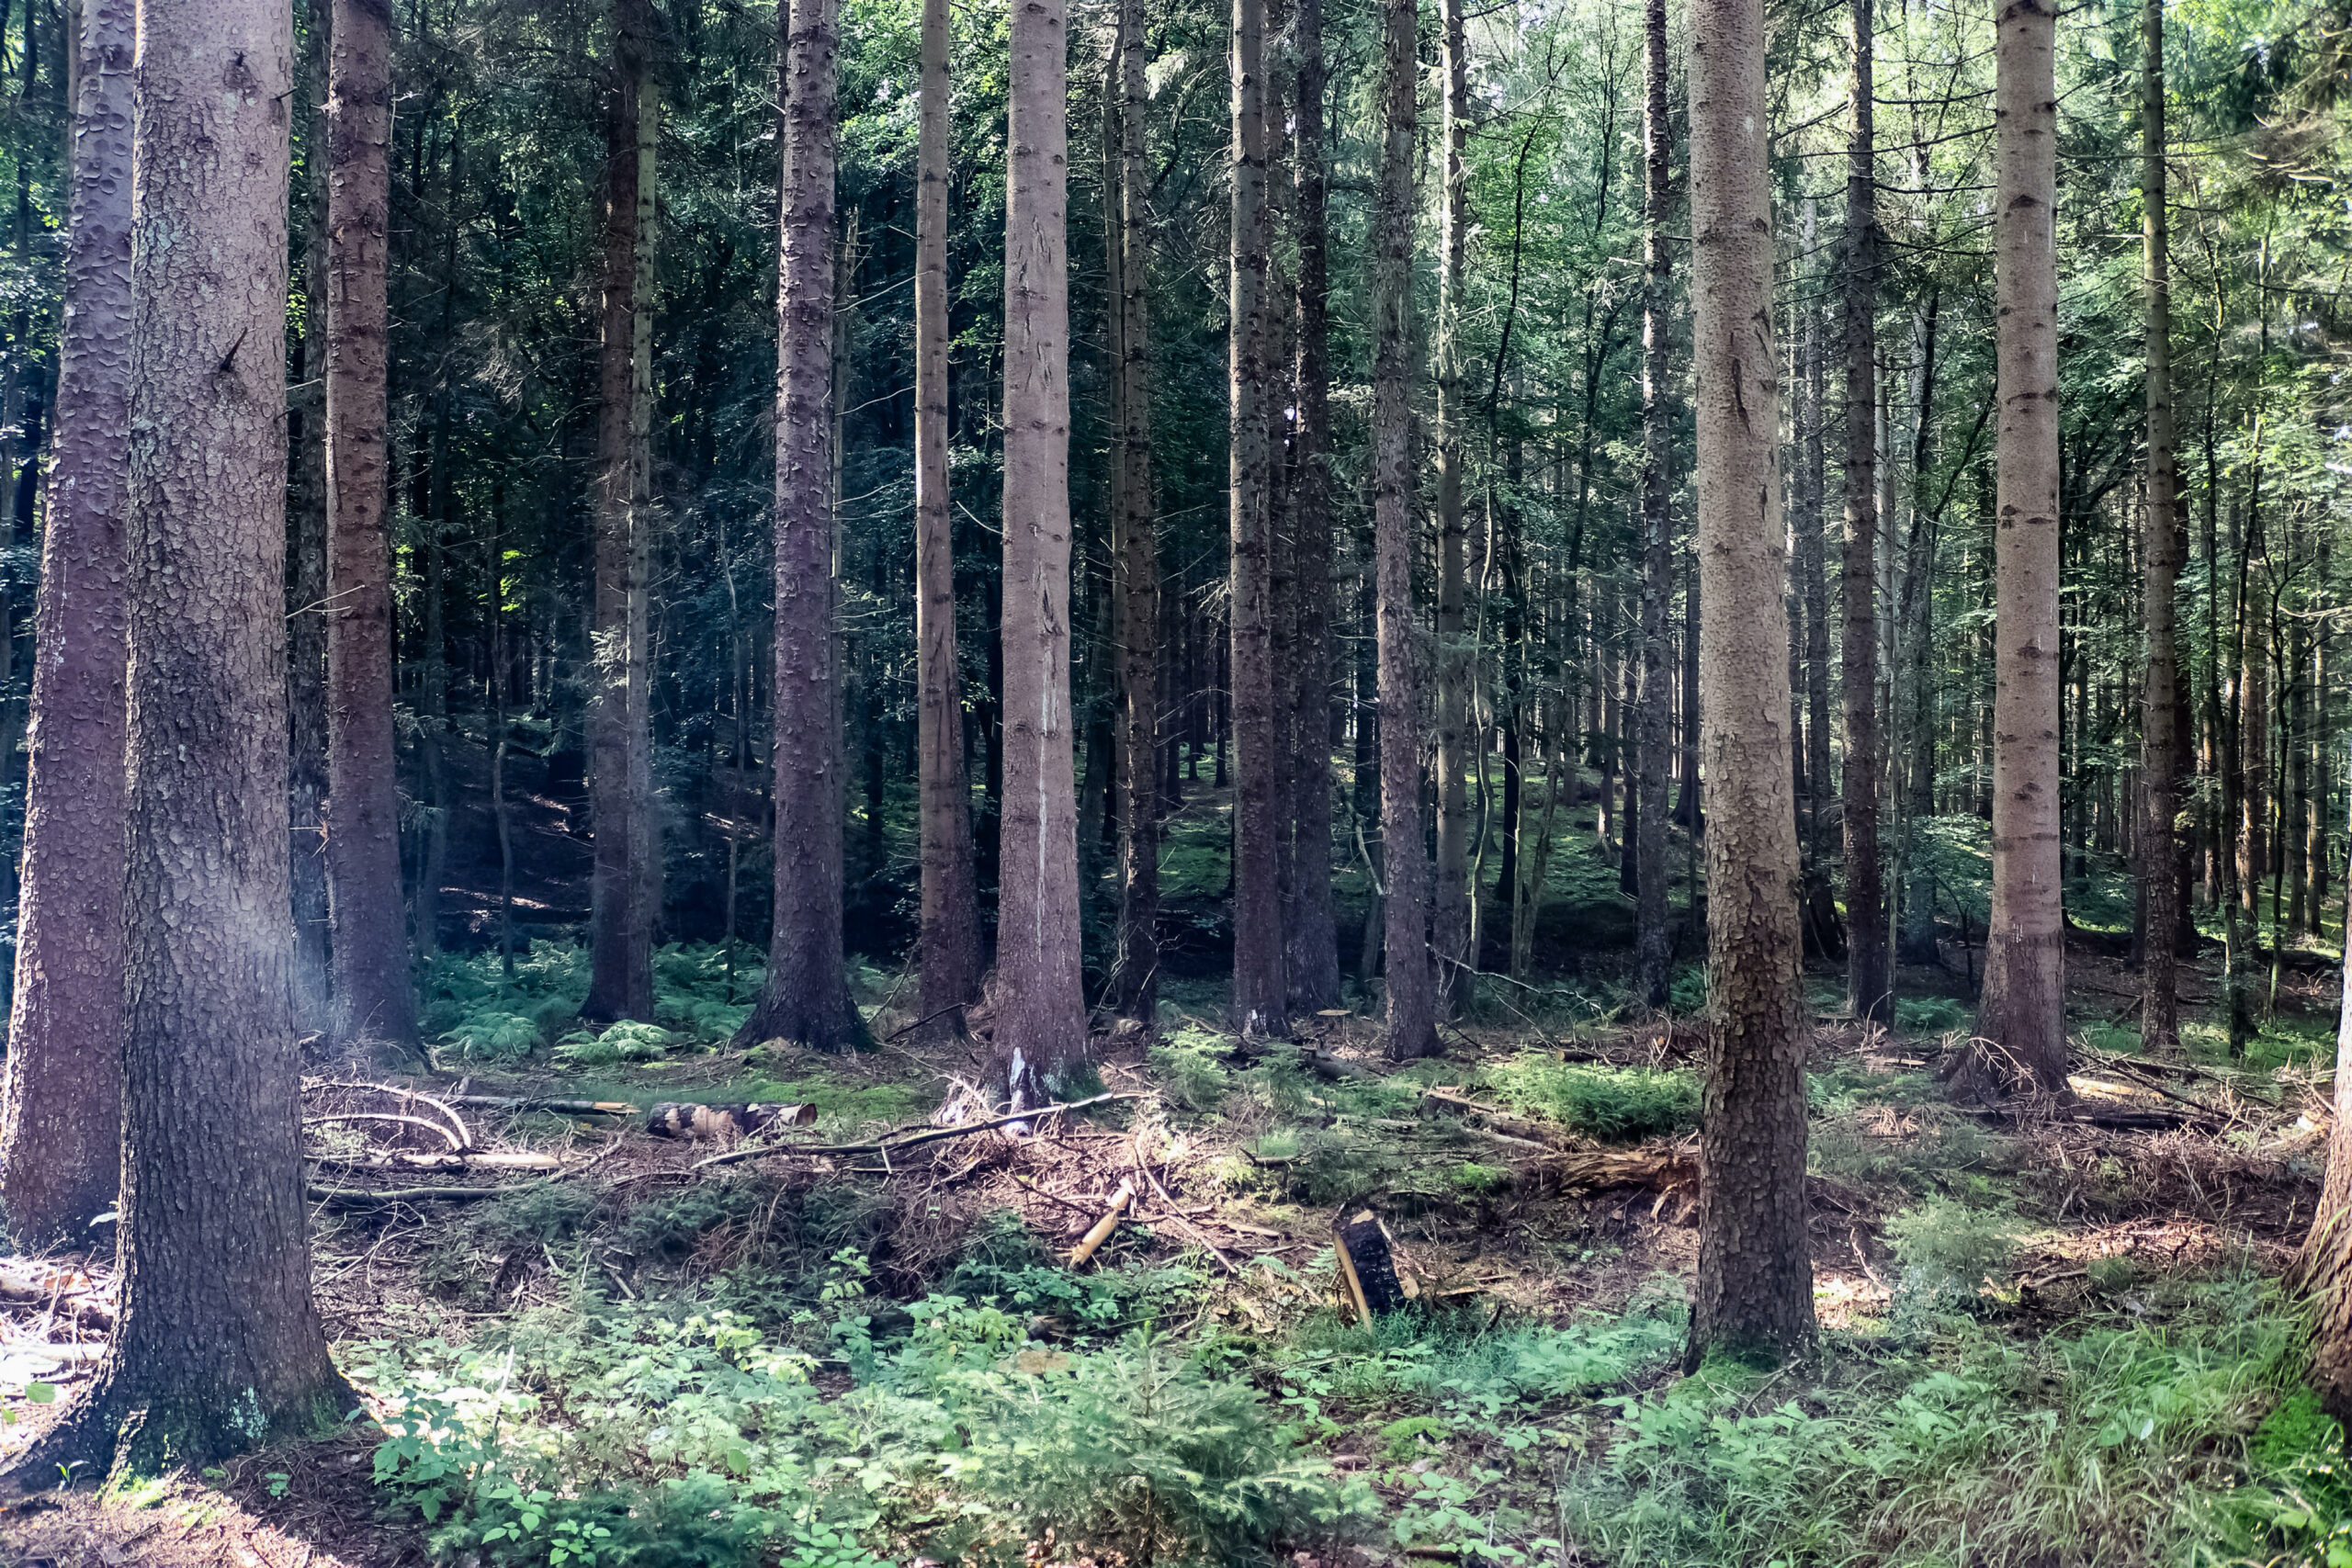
[1367, 1268]
[1102, 1229]
[532, 1102]
[702, 1122]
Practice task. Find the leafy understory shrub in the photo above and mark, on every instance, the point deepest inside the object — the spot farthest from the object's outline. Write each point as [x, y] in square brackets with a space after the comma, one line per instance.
[627, 1041]
[1186, 1062]
[1613, 1104]
[1949, 1251]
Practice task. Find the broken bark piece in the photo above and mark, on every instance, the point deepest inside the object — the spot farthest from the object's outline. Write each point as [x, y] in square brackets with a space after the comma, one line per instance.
[700, 1123]
[1102, 1229]
[1366, 1266]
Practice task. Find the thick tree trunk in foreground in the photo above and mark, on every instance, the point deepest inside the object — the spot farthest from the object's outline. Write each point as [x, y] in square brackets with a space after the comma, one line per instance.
[1653, 943]
[950, 947]
[1449, 916]
[1412, 984]
[218, 1348]
[1312, 961]
[1261, 994]
[372, 1001]
[1038, 996]
[1135, 978]
[2327, 1262]
[1868, 977]
[2160, 746]
[61, 1101]
[806, 999]
[1754, 1292]
[2022, 1017]
[620, 948]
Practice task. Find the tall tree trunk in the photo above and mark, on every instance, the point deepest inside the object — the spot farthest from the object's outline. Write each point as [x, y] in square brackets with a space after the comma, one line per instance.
[644, 520]
[60, 1099]
[1135, 983]
[806, 998]
[218, 1347]
[1653, 942]
[2021, 1020]
[1754, 1293]
[950, 943]
[1812, 553]
[372, 999]
[1868, 978]
[1412, 981]
[1261, 1002]
[1040, 1005]
[1450, 905]
[620, 951]
[1313, 959]
[306, 543]
[2160, 749]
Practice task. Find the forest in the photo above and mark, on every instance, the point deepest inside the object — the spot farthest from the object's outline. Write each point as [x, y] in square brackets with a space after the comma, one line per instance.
[1352, 783]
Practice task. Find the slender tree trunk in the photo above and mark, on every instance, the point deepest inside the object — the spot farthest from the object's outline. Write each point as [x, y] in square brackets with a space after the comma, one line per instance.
[1040, 1006]
[1868, 977]
[644, 522]
[306, 543]
[1313, 959]
[60, 1099]
[1754, 1292]
[372, 1001]
[1260, 1003]
[1690, 810]
[218, 1348]
[1450, 905]
[2160, 749]
[951, 917]
[621, 959]
[1135, 982]
[2022, 1017]
[806, 997]
[1412, 981]
[1653, 942]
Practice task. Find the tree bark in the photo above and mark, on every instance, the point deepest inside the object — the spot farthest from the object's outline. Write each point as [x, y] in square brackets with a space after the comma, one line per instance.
[1653, 942]
[1868, 977]
[1754, 1292]
[372, 999]
[1820, 789]
[2160, 740]
[806, 997]
[306, 543]
[60, 1099]
[1261, 1000]
[218, 1347]
[1450, 905]
[620, 949]
[1313, 960]
[2327, 1262]
[1412, 990]
[950, 945]
[2021, 1020]
[1040, 1004]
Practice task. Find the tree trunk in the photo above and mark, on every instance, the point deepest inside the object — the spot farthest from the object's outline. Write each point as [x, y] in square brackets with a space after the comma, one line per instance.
[1412, 990]
[1450, 905]
[1313, 959]
[621, 958]
[806, 998]
[644, 520]
[218, 1348]
[1040, 1005]
[306, 543]
[2022, 1018]
[1814, 567]
[2161, 751]
[1868, 978]
[2327, 1262]
[1754, 1292]
[60, 1099]
[372, 1001]
[1261, 1002]
[1653, 942]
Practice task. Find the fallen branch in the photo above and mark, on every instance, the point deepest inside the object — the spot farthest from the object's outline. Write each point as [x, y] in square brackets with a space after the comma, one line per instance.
[455, 1143]
[496, 1160]
[347, 1196]
[1176, 1215]
[1518, 1127]
[898, 1145]
[1100, 1231]
[531, 1102]
[406, 1095]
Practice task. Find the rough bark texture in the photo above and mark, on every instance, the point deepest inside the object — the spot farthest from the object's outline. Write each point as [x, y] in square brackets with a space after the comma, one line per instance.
[1868, 978]
[372, 999]
[1450, 905]
[2021, 1020]
[1652, 944]
[1412, 987]
[806, 999]
[1812, 555]
[1135, 980]
[1040, 1004]
[951, 915]
[1754, 1292]
[1261, 1001]
[1312, 961]
[218, 1347]
[61, 1101]
[644, 524]
[305, 572]
[620, 953]
[2326, 1264]
[2160, 747]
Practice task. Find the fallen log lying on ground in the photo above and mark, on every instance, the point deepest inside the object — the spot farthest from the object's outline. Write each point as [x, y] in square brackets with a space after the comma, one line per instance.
[535, 1102]
[689, 1120]
[911, 1138]
[479, 1160]
[1505, 1122]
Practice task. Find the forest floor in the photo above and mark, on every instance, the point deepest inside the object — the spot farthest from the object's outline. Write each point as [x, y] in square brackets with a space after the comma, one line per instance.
[2060, 1340]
